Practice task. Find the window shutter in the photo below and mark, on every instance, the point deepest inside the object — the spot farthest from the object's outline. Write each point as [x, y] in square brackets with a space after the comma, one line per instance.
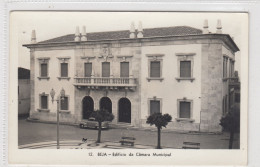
[185, 110]
[64, 69]
[88, 69]
[44, 72]
[105, 69]
[44, 102]
[154, 106]
[185, 69]
[155, 69]
[64, 104]
[124, 69]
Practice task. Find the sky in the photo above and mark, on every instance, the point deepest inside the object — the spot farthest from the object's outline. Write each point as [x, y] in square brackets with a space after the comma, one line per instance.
[54, 24]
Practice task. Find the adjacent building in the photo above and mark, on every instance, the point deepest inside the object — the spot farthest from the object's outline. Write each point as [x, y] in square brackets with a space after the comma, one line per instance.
[23, 91]
[179, 70]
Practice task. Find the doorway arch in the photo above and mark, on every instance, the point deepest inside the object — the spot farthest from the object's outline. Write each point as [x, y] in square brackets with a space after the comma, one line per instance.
[87, 107]
[124, 110]
[106, 104]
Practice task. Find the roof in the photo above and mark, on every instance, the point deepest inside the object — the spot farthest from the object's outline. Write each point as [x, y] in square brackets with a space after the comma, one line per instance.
[23, 73]
[124, 34]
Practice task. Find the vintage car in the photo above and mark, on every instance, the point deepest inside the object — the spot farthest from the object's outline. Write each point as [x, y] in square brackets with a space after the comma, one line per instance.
[92, 123]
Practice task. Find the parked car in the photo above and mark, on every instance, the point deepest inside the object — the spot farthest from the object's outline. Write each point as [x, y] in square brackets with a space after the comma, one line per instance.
[92, 123]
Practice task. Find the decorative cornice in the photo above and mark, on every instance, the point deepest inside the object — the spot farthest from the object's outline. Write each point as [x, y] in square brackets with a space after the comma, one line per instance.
[124, 57]
[63, 59]
[224, 37]
[185, 54]
[87, 58]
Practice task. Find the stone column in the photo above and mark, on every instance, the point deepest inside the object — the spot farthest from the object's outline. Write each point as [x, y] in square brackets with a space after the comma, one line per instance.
[84, 34]
[140, 30]
[77, 34]
[32, 82]
[219, 27]
[33, 37]
[205, 27]
[132, 30]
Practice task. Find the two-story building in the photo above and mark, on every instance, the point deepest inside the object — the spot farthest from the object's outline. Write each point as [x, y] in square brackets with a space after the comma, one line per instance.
[182, 71]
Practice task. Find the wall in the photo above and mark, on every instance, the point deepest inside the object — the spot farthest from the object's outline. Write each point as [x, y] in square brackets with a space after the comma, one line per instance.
[205, 91]
[23, 96]
[169, 90]
[228, 53]
[44, 85]
[211, 97]
[94, 54]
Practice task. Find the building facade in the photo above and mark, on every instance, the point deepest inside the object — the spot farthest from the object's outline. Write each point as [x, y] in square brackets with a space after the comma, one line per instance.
[23, 92]
[182, 71]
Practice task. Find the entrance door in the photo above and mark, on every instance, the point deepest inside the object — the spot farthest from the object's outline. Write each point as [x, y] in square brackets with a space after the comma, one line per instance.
[87, 107]
[105, 104]
[124, 110]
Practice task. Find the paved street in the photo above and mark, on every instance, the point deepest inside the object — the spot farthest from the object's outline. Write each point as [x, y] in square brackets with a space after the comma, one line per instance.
[31, 132]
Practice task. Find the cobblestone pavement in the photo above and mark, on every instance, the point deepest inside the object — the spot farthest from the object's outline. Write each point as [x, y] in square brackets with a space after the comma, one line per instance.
[31, 132]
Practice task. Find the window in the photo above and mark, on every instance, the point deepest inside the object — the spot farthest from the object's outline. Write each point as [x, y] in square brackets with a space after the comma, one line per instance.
[64, 70]
[64, 104]
[44, 102]
[88, 69]
[225, 69]
[155, 69]
[185, 69]
[155, 64]
[232, 68]
[44, 70]
[154, 106]
[185, 110]
[124, 69]
[105, 69]
[185, 66]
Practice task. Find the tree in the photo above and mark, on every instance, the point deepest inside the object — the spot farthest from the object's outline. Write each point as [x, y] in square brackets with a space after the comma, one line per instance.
[101, 116]
[231, 123]
[159, 121]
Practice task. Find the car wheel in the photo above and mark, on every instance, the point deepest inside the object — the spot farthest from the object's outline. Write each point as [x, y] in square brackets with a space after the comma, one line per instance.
[81, 126]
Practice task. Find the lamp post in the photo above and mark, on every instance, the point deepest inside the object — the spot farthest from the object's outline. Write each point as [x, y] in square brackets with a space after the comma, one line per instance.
[59, 98]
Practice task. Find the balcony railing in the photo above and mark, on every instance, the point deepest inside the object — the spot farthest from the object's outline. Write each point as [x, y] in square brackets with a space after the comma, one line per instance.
[105, 82]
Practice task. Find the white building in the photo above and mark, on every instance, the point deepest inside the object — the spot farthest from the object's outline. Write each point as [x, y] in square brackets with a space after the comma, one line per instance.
[182, 71]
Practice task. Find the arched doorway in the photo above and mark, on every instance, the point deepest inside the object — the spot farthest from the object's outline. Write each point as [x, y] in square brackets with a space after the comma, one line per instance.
[87, 107]
[124, 106]
[105, 103]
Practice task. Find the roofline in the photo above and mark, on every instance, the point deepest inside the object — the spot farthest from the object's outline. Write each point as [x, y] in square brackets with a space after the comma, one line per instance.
[232, 44]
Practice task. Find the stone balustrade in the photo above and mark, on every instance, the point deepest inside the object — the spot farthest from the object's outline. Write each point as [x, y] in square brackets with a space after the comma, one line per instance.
[108, 82]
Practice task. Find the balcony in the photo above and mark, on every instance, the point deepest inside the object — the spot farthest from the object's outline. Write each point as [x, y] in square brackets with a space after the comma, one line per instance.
[105, 82]
[234, 82]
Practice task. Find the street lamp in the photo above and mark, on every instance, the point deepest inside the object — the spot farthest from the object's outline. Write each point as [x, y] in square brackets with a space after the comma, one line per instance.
[60, 97]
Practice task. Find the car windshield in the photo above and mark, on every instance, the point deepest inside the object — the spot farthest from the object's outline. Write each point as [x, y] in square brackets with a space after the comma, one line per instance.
[91, 119]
